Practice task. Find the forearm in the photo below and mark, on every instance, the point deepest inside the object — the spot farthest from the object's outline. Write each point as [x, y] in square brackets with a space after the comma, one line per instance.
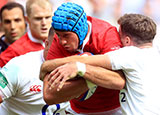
[70, 90]
[96, 60]
[1, 99]
[105, 78]
[50, 65]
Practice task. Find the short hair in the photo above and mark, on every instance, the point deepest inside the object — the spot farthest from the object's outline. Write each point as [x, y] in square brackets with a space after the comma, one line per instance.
[10, 6]
[140, 28]
[40, 3]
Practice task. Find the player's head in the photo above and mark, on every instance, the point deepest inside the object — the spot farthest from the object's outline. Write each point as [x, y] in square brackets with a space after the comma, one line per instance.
[39, 17]
[13, 21]
[137, 28]
[70, 17]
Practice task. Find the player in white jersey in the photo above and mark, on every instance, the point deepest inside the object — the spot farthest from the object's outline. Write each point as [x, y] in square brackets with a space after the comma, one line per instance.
[138, 60]
[21, 90]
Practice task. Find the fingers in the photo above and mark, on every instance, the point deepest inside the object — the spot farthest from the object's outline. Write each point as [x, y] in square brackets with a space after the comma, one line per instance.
[60, 75]
[57, 78]
[61, 84]
[54, 77]
[52, 74]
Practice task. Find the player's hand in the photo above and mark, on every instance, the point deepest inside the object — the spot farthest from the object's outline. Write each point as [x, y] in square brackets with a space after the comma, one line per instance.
[61, 74]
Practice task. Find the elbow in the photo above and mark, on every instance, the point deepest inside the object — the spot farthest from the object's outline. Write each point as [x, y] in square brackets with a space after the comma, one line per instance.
[1, 99]
[50, 96]
[54, 97]
[118, 84]
[121, 81]
[49, 99]
[121, 85]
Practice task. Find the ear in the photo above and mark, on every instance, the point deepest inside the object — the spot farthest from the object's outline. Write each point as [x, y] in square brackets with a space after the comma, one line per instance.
[27, 19]
[127, 41]
[46, 43]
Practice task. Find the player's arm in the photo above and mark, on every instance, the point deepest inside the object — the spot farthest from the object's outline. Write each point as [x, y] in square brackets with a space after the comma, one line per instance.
[104, 77]
[96, 60]
[1, 99]
[97, 75]
[72, 89]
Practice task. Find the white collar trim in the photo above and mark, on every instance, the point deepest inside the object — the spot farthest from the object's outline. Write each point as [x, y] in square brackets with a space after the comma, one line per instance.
[87, 37]
[34, 39]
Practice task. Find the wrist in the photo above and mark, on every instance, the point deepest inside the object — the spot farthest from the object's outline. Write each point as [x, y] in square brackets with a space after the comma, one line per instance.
[81, 69]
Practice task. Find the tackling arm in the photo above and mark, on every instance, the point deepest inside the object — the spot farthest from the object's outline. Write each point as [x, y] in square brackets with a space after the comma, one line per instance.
[72, 89]
[1, 99]
[96, 60]
[105, 78]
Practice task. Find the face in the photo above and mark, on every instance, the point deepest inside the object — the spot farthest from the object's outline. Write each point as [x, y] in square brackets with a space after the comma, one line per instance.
[69, 40]
[13, 24]
[40, 21]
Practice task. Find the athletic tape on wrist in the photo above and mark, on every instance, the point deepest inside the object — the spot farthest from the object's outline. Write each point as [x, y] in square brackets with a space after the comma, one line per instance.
[81, 71]
[81, 68]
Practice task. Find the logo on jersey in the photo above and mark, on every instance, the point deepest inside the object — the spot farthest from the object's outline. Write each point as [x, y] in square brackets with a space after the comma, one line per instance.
[35, 88]
[115, 48]
[3, 81]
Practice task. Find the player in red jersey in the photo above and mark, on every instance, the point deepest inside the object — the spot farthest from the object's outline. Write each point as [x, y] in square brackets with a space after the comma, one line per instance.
[39, 14]
[76, 33]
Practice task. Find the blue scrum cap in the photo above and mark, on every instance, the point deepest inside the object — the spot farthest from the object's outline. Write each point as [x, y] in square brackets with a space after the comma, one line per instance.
[71, 17]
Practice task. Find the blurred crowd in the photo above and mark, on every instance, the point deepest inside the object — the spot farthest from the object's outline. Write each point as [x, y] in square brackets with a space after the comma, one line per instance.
[108, 10]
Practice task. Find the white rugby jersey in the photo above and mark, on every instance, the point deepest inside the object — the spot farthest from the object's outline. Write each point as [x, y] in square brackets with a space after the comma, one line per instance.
[21, 89]
[141, 95]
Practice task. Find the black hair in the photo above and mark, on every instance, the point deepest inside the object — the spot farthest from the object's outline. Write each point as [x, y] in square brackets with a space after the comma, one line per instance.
[10, 6]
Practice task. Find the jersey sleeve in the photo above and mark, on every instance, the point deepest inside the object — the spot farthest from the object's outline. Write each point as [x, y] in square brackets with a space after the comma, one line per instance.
[111, 40]
[120, 59]
[8, 80]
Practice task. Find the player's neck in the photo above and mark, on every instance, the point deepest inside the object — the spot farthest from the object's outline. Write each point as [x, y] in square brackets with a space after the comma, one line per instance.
[145, 45]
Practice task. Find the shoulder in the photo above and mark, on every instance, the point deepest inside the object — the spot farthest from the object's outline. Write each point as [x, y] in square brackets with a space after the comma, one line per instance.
[125, 51]
[20, 41]
[24, 45]
[99, 24]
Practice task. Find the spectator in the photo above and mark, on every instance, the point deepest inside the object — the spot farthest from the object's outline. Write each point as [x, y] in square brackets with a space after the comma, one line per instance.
[13, 23]
[2, 3]
[39, 13]
[79, 33]
[23, 94]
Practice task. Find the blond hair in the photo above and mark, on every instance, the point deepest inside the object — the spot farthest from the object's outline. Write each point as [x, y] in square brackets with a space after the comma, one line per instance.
[41, 3]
